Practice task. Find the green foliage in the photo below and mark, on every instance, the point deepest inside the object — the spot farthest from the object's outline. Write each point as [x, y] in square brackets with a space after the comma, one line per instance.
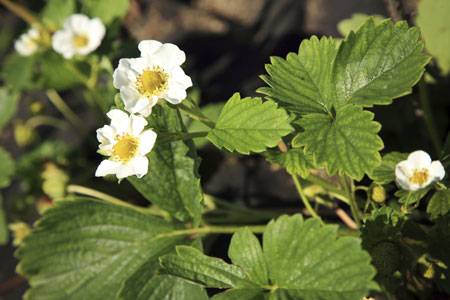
[385, 172]
[300, 260]
[439, 204]
[85, 249]
[344, 142]
[58, 73]
[172, 181]
[412, 197]
[8, 104]
[249, 125]
[212, 112]
[432, 18]
[3, 224]
[328, 83]
[17, 71]
[105, 10]
[7, 167]
[355, 22]
[295, 161]
[163, 287]
[439, 248]
[55, 12]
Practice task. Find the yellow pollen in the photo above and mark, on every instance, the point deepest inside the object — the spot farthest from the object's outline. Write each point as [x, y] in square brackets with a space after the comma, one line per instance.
[419, 176]
[152, 82]
[80, 40]
[125, 147]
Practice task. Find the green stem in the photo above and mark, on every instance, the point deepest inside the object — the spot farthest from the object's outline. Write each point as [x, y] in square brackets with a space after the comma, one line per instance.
[82, 190]
[196, 114]
[167, 137]
[21, 12]
[428, 116]
[45, 120]
[350, 189]
[63, 108]
[213, 229]
[329, 187]
[304, 199]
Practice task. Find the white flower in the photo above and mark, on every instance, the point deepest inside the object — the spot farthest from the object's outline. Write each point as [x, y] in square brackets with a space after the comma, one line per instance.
[126, 143]
[28, 43]
[418, 171]
[155, 75]
[79, 36]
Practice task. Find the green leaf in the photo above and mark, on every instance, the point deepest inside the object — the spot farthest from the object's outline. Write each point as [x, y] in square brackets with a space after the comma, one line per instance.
[303, 82]
[355, 22]
[309, 260]
[295, 161]
[212, 112]
[86, 249]
[192, 264]
[245, 252]
[379, 63]
[3, 224]
[385, 172]
[432, 18]
[240, 294]
[55, 12]
[411, 197]
[59, 73]
[7, 167]
[104, 10]
[346, 142]
[164, 287]
[17, 71]
[439, 204]
[249, 125]
[172, 181]
[8, 104]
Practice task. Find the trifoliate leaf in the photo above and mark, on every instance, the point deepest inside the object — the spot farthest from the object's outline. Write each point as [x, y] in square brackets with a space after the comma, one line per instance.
[86, 249]
[245, 251]
[7, 167]
[17, 71]
[385, 172]
[192, 264]
[55, 12]
[379, 63]
[355, 22]
[432, 18]
[439, 204]
[295, 161]
[304, 260]
[8, 104]
[249, 125]
[346, 142]
[164, 287]
[172, 181]
[303, 82]
[104, 10]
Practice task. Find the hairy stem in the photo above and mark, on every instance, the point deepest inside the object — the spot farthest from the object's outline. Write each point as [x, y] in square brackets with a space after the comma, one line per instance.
[196, 114]
[21, 12]
[82, 190]
[213, 229]
[304, 199]
[350, 189]
[63, 108]
[428, 116]
[167, 137]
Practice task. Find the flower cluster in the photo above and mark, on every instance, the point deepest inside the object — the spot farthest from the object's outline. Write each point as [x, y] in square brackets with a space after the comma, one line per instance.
[79, 36]
[142, 82]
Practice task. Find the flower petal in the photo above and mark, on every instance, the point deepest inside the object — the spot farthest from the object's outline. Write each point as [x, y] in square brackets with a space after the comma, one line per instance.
[403, 171]
[148, 47]
[120, 121]
[420, 159]
[437, 171]
[137, 124]
[107, 167]
[139, 165]
[169, 55]
[147, 141]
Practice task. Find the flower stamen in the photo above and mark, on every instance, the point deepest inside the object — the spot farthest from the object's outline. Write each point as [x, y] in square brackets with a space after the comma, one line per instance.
[152, 82]
[420, 176]
[80, 40]
[125, 148]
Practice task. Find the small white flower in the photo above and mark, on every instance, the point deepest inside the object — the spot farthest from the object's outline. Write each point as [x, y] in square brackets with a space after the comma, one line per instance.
[418, 171]
[28, 43]
[79, 36]
[155, 75]
[126, 143]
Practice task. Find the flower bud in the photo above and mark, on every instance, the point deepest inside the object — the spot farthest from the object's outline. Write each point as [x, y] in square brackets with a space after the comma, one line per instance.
[378, 194]
[20, 231]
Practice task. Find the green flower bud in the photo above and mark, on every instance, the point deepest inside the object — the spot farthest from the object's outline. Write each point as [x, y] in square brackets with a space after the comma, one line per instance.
[378, 193]
[23, 134]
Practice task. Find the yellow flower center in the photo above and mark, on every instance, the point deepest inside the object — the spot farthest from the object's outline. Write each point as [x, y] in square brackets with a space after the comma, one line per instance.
[152, 82]
[80, 40]
[419, 176]
[125, 147]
